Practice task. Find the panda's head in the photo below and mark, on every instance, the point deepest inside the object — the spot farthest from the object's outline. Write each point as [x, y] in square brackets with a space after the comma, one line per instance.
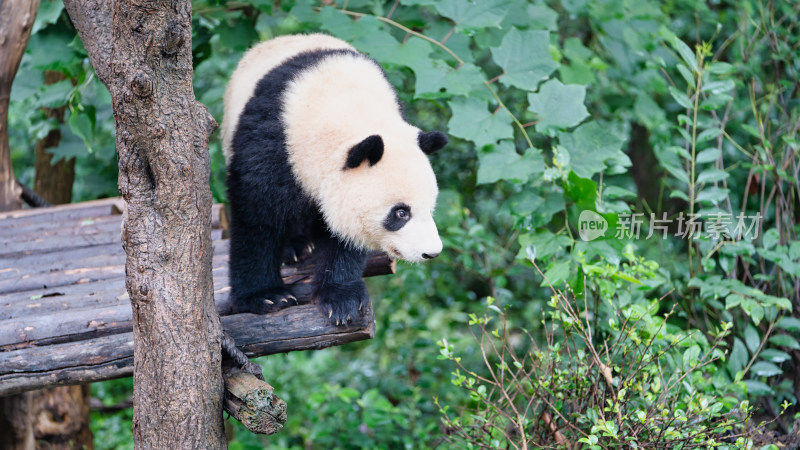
[394, 208]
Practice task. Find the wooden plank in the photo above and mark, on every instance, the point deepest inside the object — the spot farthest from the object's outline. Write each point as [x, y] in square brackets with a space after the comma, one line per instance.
[46, 244]
[82, 225]
[26, 323]
[296, 328]
[72, 211]
[27, 281]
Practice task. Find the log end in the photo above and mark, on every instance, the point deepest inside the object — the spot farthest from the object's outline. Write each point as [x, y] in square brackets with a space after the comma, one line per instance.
[253, 403]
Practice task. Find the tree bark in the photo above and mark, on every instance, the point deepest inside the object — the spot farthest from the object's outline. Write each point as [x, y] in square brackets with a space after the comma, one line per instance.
[16, 21]
[141, 50]
[53, 182]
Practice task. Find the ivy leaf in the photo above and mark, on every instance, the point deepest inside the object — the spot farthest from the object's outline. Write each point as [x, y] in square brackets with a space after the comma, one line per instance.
[556, 274]
[49, 12]
[558, 105]
[440, 80]
[545, 242]
[471, 120]
[525, 58]
[71, 146]
[590, 146]
[503, 163]
[474, 13]
[55, 95]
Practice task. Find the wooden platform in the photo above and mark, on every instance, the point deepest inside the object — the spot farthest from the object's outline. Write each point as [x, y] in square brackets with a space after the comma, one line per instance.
[65, 317]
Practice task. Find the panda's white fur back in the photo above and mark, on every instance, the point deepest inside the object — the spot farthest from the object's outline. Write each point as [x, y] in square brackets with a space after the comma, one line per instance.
[256, 63]
[328, 109]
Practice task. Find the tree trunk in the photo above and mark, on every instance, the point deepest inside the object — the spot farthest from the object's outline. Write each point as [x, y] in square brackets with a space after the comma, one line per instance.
[142, 52]
[16, 21]
[53, 182]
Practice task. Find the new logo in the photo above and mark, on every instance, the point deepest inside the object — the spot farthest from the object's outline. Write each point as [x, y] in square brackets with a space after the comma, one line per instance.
[591, 225]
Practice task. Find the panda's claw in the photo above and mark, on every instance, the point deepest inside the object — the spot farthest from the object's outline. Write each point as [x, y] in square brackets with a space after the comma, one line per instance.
[293, 298]
[330, 313]
[268, 301]
[283, 300]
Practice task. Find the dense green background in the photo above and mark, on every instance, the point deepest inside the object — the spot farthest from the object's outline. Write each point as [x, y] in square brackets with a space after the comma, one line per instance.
[553, 108]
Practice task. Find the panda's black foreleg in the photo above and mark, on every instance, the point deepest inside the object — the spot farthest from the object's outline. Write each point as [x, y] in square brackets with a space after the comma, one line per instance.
[255, 269]
[339, 289]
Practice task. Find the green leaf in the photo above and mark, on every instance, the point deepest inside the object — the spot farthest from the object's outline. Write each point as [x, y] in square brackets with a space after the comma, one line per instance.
[474, 13]
[733, 300]
[713, 195]
[558, 105]
[751, 338]
[680, 97]
[525, 58]
[685, 52]
[784, 340]
[590, 146]
[472, 120]
[556, 274]
[545, 243]
[709, 155]
[55, 95]
[757, 388]
[711, 176]
[775, 356]
[82, 126]
[583, 191]
[439, 77]
[765, 369]
[708, 135]
[771, 238]
[540, 17]
[789, 323]
[504, 163]
[49, 12]
[237, 36]
[687, 75]
[738, 357]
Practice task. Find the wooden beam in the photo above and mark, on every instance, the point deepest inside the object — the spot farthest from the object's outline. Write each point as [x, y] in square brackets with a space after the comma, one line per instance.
[299, 327]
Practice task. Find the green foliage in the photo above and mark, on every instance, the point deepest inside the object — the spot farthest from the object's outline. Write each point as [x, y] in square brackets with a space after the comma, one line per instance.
[627, 112]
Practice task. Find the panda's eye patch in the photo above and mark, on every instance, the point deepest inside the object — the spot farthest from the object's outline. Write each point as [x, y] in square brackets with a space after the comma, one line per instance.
[398, 216]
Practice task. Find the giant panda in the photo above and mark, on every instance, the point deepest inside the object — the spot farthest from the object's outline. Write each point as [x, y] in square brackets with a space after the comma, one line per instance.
[318, 150]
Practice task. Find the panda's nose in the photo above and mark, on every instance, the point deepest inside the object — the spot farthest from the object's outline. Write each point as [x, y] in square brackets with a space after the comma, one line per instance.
[430, 255]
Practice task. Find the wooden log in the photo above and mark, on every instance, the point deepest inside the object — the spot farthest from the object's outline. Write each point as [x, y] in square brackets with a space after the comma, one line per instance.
[24, 322]
[295, 328]
[253, 402]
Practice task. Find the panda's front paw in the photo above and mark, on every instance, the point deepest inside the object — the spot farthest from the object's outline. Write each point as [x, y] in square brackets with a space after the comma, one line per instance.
[264, 302]
[342, 303]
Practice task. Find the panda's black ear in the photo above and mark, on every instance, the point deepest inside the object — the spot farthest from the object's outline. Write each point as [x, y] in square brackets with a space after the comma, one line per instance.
[431, 141]
[370, 149]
